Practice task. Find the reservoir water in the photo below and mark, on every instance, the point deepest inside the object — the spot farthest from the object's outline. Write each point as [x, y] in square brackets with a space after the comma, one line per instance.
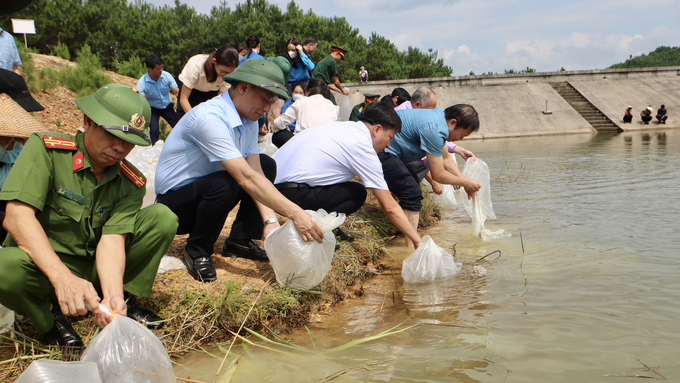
[587, 285]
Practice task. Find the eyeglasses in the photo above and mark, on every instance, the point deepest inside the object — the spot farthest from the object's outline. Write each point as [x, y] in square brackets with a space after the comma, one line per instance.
[278, 86]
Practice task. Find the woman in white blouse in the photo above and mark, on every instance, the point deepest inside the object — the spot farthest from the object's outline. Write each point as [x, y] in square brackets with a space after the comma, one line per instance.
[305, 112]
[202, 77]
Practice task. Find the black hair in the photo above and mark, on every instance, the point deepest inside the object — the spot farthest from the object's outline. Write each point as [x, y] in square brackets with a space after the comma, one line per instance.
[663, 106]
[225, 55]
[152, 61]
[403, 95]
[387, 100]
[383, 114]
[310, 40]
[251, 43]
[240, 47]
[322, 90]
[466, 116]
[314, 83]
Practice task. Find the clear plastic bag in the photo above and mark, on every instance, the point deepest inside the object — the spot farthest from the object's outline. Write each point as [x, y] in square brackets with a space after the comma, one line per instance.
[428, 262]
[447, 200]
[55, 371]
[6, 319]
[477, 170]
[145, 159]
[126, 351]
[266, 146]
[345, 107]
[299, 264]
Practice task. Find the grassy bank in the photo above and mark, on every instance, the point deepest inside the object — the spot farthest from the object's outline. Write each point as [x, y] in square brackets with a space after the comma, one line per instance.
[200, 315]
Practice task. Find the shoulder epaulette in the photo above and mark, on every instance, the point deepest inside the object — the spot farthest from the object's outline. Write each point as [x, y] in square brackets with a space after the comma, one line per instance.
[136, 177]
[54, 142]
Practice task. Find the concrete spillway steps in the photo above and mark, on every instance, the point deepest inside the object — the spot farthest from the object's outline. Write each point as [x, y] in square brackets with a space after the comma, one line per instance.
[585, 108]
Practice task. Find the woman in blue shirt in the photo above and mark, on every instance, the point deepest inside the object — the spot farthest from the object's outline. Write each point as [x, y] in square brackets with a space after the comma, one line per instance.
[253, 45]
[302, 64]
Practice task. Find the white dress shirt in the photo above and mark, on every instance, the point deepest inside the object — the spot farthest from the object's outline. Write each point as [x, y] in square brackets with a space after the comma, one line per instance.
[307, 112]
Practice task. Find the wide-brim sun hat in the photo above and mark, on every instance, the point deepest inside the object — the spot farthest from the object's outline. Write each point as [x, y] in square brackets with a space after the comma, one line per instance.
[15, 121]
[261, 73]
[121, 111]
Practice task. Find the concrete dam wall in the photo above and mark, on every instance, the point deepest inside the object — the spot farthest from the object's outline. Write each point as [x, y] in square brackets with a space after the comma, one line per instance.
[514, 105]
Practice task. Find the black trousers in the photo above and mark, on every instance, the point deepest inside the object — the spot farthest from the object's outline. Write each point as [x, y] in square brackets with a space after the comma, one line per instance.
[346, 197]
[402, 181]
[196, 97]
[281, 137]
[168, 115]
[203, 205]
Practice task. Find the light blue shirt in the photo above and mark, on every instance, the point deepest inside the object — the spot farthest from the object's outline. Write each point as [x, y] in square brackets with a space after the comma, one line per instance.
[253, 55]
[422, 131]
[301, 69]
[156, 92]
[9, 55]
[211, 132]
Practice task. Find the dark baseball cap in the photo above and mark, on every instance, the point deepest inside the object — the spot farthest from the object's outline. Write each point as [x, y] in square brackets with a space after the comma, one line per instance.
[14, 86]
[10, 6]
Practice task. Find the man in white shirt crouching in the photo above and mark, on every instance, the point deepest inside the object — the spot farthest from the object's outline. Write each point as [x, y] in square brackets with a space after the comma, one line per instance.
[315, 167]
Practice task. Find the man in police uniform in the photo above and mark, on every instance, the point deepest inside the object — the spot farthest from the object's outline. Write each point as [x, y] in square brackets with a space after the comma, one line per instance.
[358, 108]
[327, 70]
[76, 229]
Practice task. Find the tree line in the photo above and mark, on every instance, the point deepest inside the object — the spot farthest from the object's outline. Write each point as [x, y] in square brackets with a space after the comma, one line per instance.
[120, 32]
[661, 56]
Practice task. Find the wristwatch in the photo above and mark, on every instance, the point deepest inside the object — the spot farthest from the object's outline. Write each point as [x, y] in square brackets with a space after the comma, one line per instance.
[270, 221]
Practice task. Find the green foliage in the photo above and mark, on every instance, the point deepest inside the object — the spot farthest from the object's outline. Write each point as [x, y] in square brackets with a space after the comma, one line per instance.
[562, 69]
[513, 71]
[87, 76]
[61, 50]
[49, 79]
[120, 30]
[134, 67]
[28, 66]
[661, 56]
[472, 73]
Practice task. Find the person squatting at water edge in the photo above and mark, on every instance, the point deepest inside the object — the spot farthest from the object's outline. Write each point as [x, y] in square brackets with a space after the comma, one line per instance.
[424, 132]
[202, 77]
[315, 167]
[76, 231]
[211, 162]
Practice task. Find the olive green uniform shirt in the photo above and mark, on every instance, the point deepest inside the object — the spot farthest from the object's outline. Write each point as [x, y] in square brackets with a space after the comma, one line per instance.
[73, 209]
[325, 70]
[358, 108]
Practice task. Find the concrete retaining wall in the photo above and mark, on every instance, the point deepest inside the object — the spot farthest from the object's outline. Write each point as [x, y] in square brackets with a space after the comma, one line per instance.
[612, 97]
[512, 105]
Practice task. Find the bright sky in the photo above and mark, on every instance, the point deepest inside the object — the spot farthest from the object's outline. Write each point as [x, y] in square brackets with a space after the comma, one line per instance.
[493, 35]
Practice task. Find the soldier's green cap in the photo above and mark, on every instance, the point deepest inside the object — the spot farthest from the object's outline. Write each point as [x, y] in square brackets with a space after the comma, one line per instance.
[284, 65]
[371, 96]
[262, 73]
[121, 111]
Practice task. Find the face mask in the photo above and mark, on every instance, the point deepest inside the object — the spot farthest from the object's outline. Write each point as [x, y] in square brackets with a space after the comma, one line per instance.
[297, 97]
[292, 54]
[10, 157]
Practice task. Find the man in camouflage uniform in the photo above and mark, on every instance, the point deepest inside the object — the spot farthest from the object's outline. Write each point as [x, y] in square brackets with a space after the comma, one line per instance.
[76, 231]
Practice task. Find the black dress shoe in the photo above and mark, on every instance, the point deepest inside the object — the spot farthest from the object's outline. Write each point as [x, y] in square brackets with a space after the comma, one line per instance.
[62, 334]
[201, 269]
[342, 236]
[244, 248]
[142, 315]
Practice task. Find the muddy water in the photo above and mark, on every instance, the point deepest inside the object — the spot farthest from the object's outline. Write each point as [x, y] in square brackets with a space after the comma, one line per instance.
[587, 285]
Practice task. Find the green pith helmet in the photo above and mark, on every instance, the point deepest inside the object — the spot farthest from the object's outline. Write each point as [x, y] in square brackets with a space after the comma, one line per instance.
[284, 65]
[121, 111]
[262, 73]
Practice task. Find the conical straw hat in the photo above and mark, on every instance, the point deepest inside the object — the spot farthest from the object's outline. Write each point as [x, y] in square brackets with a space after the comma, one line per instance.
[15, 121]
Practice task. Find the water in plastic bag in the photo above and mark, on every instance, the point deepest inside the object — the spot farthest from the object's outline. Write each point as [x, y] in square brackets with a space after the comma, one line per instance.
[479, 207]
[345, 107]
[127, 351]
[55, 371]
[447, 200]
[266, 146]
[299, 264]
[428, 262]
